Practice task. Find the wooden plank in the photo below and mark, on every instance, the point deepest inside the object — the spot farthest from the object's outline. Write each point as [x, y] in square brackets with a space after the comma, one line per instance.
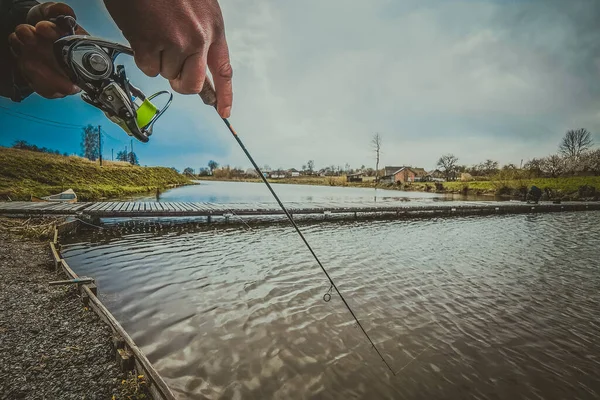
[130, 206]
[103, 312]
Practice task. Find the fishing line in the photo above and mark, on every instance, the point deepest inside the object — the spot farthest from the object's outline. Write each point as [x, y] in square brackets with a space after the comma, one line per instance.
[327, 296]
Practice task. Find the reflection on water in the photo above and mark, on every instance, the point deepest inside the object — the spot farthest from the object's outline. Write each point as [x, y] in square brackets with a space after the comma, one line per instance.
[490, 307]
[251, 192]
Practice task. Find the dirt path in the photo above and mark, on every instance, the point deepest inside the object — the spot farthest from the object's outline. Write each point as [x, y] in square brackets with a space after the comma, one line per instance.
[51, 346]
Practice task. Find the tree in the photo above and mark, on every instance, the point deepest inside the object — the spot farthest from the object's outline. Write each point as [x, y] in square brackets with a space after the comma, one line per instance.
[376, 143]
[304, 167]
[90, 148]
[447, 163]
[489, 167]
[133, 158]
[534, 167]
[575, 142]
[188, 171]
[553, 165]
[311, 166]
[212, 165]
[122, 156]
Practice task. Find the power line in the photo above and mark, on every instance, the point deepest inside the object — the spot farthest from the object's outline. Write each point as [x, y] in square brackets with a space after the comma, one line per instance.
[63, 124]
[39, 122]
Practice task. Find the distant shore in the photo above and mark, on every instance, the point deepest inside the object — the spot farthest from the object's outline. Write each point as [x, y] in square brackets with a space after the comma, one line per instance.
[567, 188]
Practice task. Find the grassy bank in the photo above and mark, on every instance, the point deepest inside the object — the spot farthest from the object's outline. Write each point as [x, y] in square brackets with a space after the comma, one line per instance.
[568, 188]
[564, 187]
[26, 173]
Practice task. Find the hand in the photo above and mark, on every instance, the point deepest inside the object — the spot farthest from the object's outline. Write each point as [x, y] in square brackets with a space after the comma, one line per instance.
[32, 46]
[178, 39]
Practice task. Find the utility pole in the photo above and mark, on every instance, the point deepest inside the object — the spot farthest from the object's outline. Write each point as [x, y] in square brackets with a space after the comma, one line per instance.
[112, 154]
[131, 158]
[100, 143]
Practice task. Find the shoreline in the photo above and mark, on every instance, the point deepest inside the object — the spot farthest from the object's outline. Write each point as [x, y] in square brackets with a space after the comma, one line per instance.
[563, 189]
[51, 345]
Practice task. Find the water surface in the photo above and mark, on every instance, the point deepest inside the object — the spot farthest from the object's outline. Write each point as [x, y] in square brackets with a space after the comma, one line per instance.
[500, 307]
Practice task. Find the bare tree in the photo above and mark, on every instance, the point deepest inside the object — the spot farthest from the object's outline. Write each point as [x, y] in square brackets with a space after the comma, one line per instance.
[575, 142]
[376, 143]
[553, 165]
[447, 163]
[311, 166]
[590, 161]
[534, 167]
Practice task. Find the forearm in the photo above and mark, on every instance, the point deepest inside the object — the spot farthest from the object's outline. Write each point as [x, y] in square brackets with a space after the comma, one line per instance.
[12, 14]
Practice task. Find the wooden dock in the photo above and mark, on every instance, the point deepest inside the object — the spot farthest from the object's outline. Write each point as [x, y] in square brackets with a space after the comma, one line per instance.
[180, 209]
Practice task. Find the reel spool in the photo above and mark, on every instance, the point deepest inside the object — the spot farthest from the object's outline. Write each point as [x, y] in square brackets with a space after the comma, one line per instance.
[90, 63]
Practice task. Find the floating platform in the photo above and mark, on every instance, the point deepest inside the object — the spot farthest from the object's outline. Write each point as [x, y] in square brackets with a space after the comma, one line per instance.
[388, 209]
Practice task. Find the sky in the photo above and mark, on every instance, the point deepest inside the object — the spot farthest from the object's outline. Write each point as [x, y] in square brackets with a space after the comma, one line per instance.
[315, 80]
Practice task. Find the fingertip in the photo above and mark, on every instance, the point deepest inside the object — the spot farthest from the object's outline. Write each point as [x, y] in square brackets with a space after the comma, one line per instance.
[25, 33]
[225, 112]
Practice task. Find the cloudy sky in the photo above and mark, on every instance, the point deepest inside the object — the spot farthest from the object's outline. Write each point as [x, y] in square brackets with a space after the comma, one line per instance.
[316, 79]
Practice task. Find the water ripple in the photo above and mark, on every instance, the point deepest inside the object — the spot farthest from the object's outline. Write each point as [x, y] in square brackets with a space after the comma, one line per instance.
[496, 307]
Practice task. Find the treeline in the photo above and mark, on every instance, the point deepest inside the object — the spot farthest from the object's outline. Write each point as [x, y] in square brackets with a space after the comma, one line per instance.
[575, 157]
[24, 145]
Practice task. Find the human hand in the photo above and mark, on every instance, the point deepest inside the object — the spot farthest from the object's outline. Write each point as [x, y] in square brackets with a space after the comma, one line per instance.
[178, 39]
[32, 46]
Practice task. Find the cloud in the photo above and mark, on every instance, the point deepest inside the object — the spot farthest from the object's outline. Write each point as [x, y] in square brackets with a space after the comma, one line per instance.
[474, 77]
[315, 80]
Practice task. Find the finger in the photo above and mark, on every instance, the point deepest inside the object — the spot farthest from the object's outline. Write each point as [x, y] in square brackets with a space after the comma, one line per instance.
[15, 44]
[148, 60]
[222, 73]
[48, 30]
[46, 81]
[192, 75]
[54, 10]
[26, 34]
[171, 63]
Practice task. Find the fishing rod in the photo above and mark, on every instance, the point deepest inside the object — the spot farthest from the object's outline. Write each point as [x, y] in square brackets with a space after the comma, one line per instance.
[90, 63]
[209, 97]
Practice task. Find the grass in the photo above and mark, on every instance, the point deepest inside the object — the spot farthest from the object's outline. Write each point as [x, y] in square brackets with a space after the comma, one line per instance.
[562, 186]
[25, 173]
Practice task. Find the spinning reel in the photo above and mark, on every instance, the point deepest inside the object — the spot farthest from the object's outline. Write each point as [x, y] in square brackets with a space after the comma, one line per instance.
[90, 63]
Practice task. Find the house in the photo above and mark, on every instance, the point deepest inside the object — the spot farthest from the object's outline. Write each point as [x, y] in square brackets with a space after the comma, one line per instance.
[358, 177]
[389, 171]
[403, 175]
[435, 176]
[252, 172]
[420, 173]
[293, 172]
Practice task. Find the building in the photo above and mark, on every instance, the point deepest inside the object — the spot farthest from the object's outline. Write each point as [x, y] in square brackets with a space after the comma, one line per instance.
[389, 171]
[358, 177]
[293, 172]
[435, 176]
[403, 175]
